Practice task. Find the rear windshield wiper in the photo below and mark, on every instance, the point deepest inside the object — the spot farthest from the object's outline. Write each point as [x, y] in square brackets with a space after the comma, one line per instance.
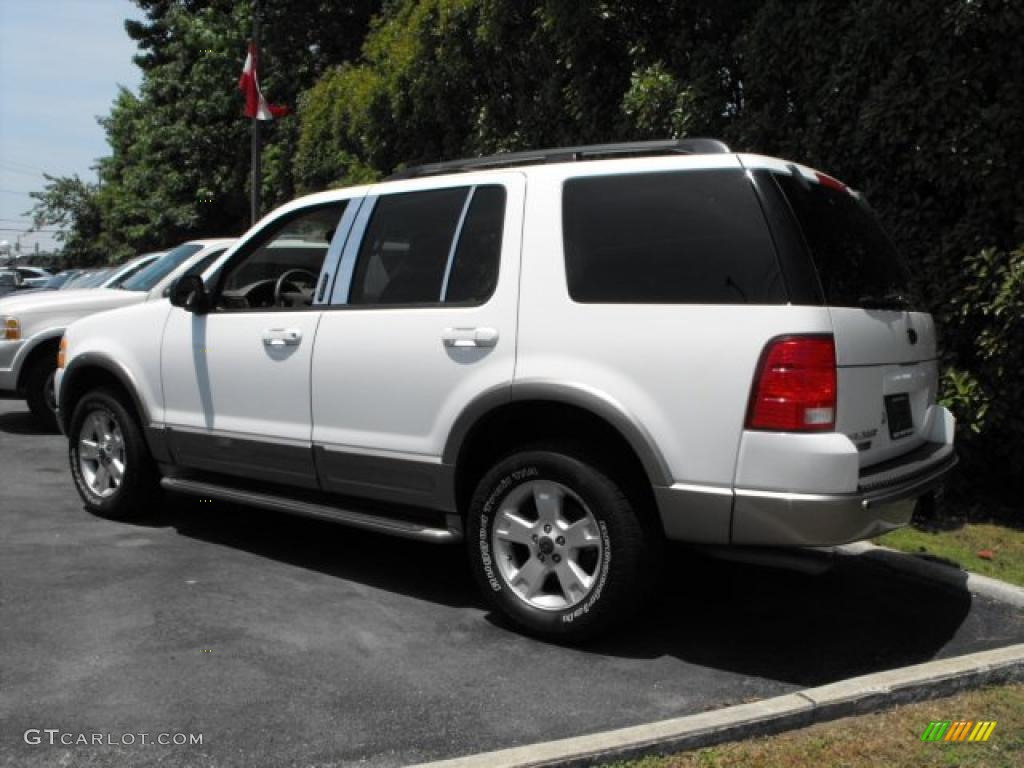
[894, 300]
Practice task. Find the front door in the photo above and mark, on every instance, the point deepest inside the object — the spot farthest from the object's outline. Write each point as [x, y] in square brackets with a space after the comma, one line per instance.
[236, 380]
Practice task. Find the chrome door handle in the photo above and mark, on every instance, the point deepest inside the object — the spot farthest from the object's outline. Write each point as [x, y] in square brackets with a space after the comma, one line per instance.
[282, 337]
[469, 337]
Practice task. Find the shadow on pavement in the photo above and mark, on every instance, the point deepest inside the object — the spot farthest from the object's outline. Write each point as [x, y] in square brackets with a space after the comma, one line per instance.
[854, 618]
[23, 423]
[430, 572]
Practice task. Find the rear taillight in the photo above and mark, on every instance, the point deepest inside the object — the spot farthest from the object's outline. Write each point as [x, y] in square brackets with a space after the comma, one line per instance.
[795, 386]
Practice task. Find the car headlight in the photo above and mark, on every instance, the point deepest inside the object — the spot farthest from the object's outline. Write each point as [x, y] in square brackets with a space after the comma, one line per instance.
[12, 329]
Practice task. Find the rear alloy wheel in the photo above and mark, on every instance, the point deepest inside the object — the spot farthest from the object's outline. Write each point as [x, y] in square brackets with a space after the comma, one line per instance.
[548, 545]
[109, 458]
[556, 545]
[39, 392]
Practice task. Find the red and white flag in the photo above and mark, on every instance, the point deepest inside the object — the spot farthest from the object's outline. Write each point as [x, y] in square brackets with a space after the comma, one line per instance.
[249, 84]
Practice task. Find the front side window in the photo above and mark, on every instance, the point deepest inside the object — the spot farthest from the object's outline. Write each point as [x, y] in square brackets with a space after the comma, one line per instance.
[198, 268]
[680, 237]
[279, 268]
[474, 270]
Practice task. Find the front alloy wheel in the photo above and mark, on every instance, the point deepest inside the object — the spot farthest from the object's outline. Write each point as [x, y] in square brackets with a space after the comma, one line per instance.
[110, 461]
[101, 454]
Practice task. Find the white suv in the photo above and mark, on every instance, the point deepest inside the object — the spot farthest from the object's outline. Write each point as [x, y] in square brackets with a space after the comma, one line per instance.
[562, 362]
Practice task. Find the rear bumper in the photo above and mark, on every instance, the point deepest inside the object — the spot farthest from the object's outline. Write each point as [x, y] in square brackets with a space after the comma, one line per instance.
[808, 490]
[884, 501]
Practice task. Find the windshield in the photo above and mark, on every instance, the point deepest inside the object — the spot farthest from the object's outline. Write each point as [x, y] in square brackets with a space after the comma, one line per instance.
[128, 269]
[145, 279]
[57, 281]
[88, 280]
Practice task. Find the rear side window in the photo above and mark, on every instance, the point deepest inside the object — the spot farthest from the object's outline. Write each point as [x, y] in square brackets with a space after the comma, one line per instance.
[856, 263]
[431, 247]
[404, 253]
[474, 270]
[692, 237]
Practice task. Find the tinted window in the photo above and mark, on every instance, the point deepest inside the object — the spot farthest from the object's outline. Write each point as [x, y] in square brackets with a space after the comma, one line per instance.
[856, 263]
[662, 238]
[474, 271]
[404, 253]
[145, 279]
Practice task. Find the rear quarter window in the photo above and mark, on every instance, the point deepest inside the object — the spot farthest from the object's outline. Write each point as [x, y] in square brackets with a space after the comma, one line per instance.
[690, 237]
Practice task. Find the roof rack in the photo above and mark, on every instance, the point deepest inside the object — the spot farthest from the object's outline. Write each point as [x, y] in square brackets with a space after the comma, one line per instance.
[565, 155]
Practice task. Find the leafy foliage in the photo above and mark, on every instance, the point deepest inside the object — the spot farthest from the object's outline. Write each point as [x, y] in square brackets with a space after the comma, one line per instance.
[69, 201]
[983, 383]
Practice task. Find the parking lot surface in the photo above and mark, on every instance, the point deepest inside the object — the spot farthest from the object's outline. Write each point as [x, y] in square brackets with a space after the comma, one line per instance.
[285, 641]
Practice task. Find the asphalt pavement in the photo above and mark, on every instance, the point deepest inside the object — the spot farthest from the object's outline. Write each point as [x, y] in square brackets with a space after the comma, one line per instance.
[291, 642]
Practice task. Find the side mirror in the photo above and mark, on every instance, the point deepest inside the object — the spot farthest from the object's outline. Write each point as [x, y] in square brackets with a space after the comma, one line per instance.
[190, 294]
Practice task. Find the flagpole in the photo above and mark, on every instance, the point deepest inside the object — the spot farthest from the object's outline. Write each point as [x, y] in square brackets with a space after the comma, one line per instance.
[257, 148]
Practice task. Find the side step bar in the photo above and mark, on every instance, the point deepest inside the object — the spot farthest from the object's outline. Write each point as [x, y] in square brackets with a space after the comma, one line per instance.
[389, 525]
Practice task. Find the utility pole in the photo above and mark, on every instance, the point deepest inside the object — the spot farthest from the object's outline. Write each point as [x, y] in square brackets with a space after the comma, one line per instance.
[257, 147]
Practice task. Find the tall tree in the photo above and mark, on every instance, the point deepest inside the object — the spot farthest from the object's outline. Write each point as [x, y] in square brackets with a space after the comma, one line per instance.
[179, 158]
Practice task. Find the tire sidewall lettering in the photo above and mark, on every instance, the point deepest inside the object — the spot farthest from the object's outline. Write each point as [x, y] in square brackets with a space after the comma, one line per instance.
[591, 601]
[500, 490]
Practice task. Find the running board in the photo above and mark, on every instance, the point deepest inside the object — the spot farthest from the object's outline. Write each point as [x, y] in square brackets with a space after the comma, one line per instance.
[389, 525]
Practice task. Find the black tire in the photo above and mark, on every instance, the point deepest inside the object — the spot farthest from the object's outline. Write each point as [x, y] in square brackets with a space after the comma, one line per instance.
[624, 565]
[139, 489]
[38, 388]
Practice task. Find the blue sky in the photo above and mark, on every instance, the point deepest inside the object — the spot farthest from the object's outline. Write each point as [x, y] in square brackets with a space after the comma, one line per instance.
[61, 62]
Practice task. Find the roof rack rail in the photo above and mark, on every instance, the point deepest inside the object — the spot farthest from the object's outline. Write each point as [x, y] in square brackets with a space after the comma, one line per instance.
[565, 155]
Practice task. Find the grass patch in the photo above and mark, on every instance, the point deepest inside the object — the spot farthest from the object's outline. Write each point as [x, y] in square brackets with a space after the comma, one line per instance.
[962, 544]
[888, 738]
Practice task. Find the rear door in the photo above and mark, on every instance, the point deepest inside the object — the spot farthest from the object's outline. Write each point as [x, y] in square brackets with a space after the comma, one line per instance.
[885, 342]
[422, 320]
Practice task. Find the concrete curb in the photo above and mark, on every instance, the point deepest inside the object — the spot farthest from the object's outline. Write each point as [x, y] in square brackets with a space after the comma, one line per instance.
[795, 710]
[933, 570]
